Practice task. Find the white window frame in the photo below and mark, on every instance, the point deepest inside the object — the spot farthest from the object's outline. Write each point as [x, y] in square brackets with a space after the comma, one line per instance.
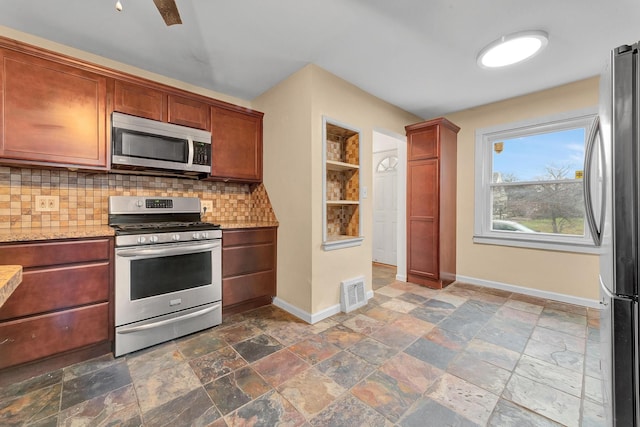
[483, 233]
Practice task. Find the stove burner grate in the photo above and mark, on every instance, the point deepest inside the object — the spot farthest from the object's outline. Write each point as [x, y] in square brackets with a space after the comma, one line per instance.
[152, 227]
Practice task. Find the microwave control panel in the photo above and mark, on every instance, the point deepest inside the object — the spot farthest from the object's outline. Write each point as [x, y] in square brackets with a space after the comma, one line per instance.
[201, 153]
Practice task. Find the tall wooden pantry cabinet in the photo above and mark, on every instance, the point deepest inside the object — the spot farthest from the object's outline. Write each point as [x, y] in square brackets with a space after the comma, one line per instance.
[431, 202]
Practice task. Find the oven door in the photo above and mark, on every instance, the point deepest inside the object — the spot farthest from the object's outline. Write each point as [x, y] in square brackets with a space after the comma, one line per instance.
[158, 280]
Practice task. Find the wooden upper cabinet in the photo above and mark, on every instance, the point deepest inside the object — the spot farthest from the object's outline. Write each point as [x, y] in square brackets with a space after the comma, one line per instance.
[423, 144]
[138, 100]
[188, 112]
[236, 139]
[51, 113]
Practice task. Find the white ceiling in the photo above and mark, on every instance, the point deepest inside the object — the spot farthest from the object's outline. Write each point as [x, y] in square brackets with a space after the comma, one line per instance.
[417, 54]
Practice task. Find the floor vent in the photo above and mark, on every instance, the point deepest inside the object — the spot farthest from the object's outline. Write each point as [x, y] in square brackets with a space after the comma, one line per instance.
[353, 295]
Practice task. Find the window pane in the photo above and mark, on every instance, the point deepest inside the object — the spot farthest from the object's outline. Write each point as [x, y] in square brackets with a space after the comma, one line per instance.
[545, 156]
[548, 207]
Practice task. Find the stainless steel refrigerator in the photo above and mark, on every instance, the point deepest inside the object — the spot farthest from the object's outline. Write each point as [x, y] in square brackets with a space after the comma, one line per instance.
[612, 194]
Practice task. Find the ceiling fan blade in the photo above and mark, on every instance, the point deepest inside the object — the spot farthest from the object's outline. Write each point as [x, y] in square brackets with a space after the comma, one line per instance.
[169, 11]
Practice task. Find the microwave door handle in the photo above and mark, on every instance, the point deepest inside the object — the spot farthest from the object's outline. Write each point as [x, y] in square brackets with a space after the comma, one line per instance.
[158, 252]
[191, 150]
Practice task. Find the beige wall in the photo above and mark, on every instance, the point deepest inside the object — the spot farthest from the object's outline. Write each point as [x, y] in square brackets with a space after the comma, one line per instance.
[296, 191]
[105, 62]
[346, 103]
[287, 162]
[565, 273]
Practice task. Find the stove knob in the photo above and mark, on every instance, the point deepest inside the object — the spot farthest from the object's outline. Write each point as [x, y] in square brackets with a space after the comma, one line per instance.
[196, 236]
[205, 235]
[141, 239]
[176, 237]
[153, 239]
[139, 203]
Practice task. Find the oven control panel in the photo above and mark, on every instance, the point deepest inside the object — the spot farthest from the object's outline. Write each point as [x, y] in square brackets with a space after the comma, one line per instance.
[159, 203]
[159, 238]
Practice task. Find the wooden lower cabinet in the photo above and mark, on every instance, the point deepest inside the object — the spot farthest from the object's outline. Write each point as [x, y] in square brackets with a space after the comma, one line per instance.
[248, 268]
[62, 311]
[37, 337]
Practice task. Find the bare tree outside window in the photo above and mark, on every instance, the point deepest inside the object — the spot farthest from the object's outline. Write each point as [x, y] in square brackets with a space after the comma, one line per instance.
[549, 198]
[529, 189]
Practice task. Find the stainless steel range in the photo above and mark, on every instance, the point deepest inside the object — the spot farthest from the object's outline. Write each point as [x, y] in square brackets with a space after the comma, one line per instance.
[168, 277]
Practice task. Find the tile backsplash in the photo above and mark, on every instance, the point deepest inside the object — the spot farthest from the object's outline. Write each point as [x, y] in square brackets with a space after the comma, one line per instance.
[83, 196]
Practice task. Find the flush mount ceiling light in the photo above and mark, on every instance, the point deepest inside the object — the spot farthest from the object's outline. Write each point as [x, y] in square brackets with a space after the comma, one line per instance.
[513, 48]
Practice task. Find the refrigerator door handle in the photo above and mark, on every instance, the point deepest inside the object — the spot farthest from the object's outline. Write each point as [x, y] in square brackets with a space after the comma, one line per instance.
[606, 292]
[592, 146]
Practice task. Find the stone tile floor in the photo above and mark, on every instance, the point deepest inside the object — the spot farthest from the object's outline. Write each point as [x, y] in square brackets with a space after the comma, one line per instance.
[463, 356]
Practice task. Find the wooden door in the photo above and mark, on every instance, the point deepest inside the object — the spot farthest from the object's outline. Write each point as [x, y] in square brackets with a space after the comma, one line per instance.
[51, 112]
[236, 139]
[422, 220]
[385, 208]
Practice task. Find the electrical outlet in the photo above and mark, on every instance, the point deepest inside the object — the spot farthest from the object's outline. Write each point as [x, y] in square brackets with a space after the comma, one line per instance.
[206, 204]
[47, 203]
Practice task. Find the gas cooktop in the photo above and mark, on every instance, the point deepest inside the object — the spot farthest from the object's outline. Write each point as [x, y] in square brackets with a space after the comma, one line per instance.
[164, 227]
[146, 220]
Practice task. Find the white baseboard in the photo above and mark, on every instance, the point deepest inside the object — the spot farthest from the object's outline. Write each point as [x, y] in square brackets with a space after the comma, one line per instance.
[308, 317]
[529, 291]
[401, 278]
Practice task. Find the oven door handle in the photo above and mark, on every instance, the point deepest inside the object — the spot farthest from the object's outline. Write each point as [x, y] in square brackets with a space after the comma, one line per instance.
[175, 250]
[169, 321]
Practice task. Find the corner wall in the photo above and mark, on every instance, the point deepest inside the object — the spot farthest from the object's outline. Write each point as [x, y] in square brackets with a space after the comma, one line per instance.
[287, 161]
[336, 98]
[570, 274]
[309, 277]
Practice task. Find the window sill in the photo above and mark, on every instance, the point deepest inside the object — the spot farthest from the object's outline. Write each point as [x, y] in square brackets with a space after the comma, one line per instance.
[536, 244]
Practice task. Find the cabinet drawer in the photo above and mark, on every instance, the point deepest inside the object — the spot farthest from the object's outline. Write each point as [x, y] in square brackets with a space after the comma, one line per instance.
[37, 337]
[42, 254]
[248, 237]
[247, 259]
[58, 288]
[243, 288]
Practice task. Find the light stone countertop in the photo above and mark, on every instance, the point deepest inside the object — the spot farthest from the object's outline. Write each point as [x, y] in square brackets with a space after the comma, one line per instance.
[52, 233]
[228, 225]
[78, 232]
[10, 278]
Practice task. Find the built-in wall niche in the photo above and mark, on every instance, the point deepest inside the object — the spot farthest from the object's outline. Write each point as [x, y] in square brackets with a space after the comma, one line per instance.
[341, 185]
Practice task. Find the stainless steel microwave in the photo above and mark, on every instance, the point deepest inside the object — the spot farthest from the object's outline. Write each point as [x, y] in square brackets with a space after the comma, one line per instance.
[143, 145]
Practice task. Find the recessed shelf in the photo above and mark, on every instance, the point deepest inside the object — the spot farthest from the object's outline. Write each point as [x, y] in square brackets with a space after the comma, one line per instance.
[334, 165]
[341, 186]
[342, 202]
